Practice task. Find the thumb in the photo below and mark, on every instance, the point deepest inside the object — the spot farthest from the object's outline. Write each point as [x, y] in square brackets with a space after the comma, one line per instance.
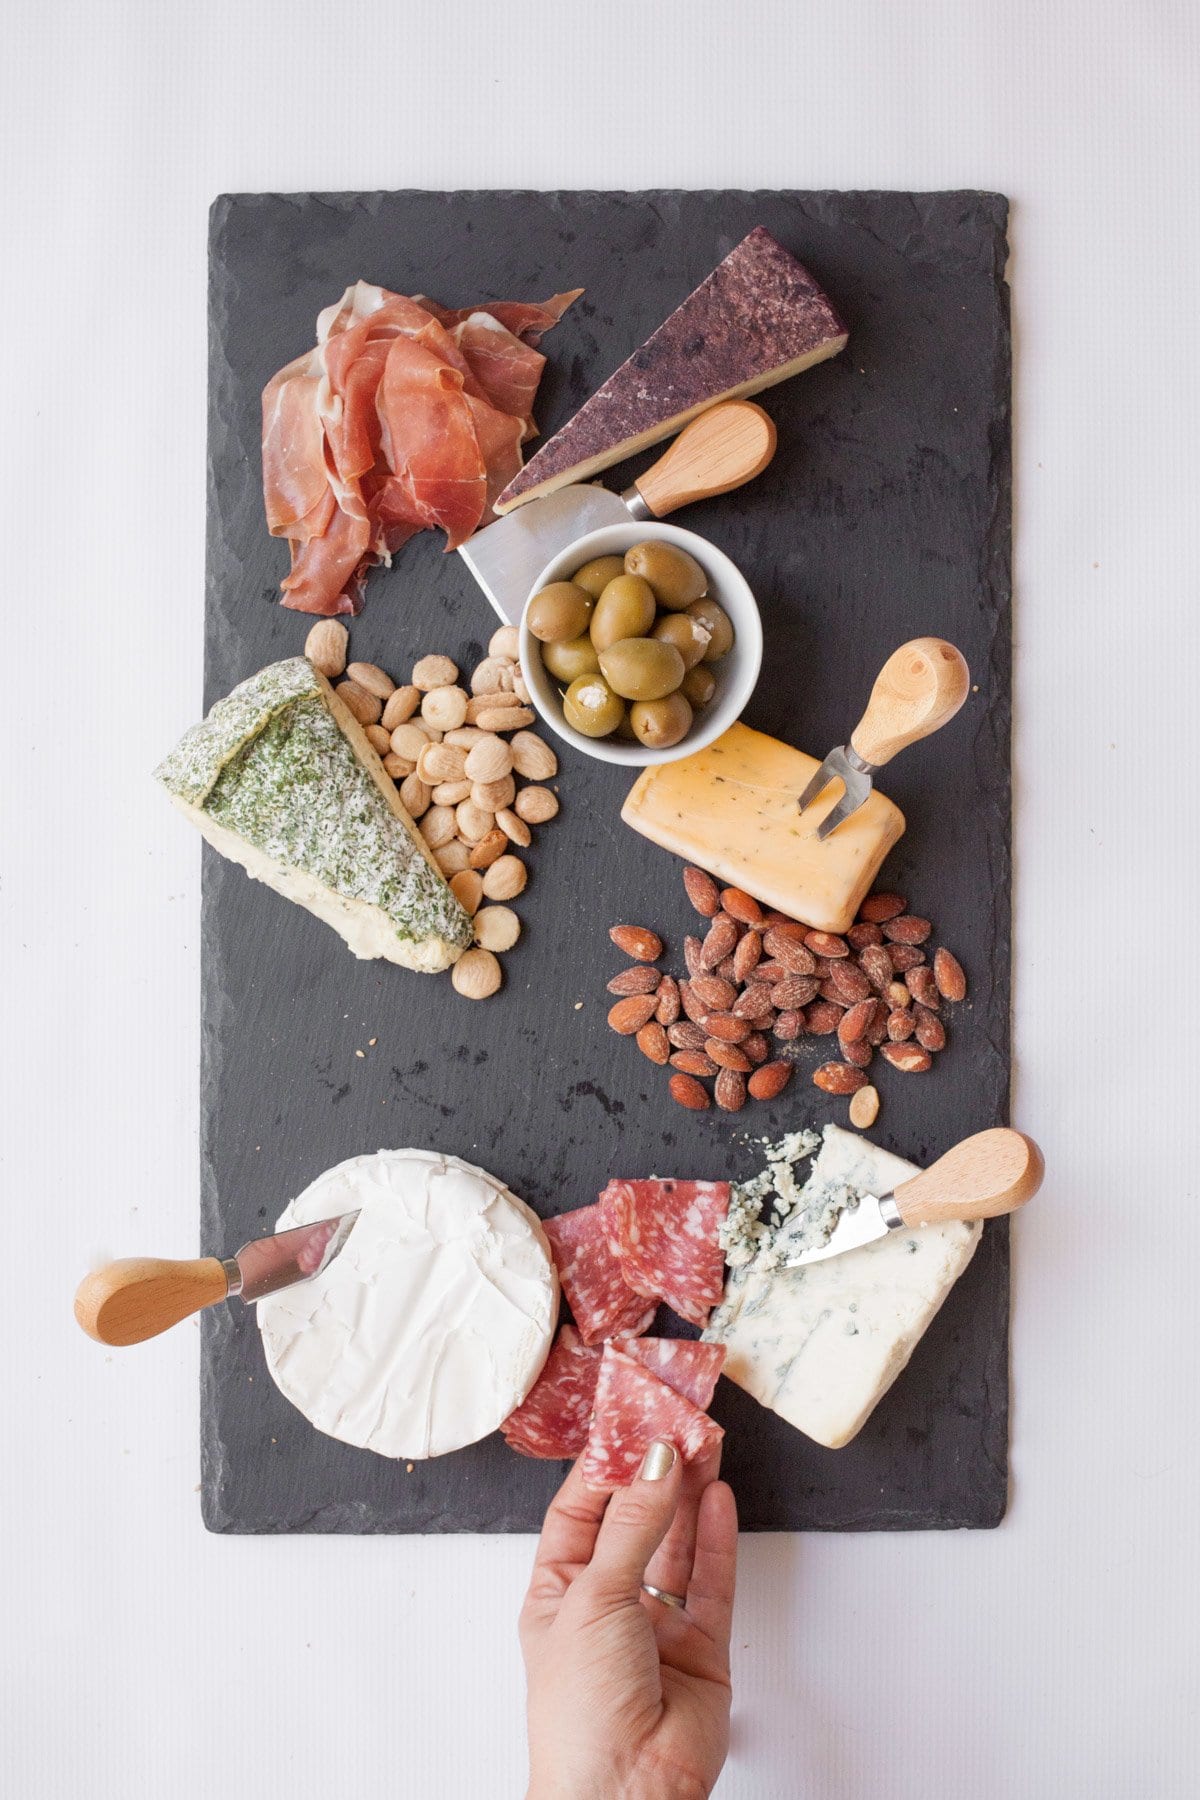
[635, 1524]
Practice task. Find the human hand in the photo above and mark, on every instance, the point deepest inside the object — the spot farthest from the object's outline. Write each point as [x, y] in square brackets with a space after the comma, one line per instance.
[629, 1697]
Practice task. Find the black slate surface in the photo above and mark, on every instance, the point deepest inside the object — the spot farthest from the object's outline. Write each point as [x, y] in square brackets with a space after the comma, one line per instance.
[885, 515]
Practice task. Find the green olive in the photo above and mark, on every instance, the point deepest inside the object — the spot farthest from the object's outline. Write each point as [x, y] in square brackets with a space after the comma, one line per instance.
[625, 609]
[698, 685]
[559, 612]
[676, 577]
[595, 576]
[660, 723]
[689, 636]
[641, 668]
[590, 706]
[718, 622]
[574, 657]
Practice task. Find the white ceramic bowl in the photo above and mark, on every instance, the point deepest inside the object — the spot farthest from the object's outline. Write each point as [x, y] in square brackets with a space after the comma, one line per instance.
[736, 673]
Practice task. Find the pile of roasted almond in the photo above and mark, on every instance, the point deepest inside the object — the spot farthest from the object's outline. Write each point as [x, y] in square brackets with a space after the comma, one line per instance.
[757, 975]
[456, 757]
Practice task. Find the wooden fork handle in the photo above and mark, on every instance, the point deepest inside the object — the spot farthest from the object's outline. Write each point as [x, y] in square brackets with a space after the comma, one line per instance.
[918, 690]
[142, 1296]
[718, 451]
[991, 1173]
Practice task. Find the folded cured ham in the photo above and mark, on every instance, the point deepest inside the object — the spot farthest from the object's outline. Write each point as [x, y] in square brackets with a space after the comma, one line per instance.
[404, 416]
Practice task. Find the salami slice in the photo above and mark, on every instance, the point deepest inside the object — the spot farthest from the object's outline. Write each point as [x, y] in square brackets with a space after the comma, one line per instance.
[552, 1420]
[603, 1303]
[632, 1407]
[664, 1234]
[689, 1367]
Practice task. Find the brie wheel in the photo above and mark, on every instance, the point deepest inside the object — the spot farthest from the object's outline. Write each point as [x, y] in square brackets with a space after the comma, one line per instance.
[431, 1324]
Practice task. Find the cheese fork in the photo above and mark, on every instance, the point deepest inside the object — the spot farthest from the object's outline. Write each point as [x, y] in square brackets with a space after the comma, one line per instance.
[137, 1298]
[918, 690]
[992, 1173]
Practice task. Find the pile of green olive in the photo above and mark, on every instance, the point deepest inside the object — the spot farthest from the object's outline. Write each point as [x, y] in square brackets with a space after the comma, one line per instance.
[631, 640]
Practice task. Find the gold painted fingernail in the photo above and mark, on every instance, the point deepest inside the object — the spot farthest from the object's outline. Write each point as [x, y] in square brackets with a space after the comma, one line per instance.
[658, 1461]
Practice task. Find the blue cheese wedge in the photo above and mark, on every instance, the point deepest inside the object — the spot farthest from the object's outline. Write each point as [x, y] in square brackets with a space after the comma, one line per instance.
[283, 780]
[821, 1345]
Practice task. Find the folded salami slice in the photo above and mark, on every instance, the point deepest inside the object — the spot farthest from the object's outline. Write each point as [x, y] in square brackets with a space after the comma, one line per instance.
[603, 1303]
[685, 1365]
[631, 1408]
[664, 1234]
[552, 1420]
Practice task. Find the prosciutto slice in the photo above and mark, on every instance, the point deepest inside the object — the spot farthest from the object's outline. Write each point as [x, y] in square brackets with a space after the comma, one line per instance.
[405, 416]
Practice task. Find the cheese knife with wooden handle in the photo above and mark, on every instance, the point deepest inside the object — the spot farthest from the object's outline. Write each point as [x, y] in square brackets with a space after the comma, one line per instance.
[141, 1296]
[992, 1173]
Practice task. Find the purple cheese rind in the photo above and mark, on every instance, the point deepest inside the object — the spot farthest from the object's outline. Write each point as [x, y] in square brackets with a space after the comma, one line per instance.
[757, 319]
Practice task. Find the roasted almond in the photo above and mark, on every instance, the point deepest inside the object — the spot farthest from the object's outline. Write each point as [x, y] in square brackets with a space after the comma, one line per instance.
[849, 982]
[822, 1017]
[931, 1033]
[877, 1029]
[685, 1035]
[702, 891]
[855, 1023]
[725, 1026]
[826, 943]
[693, 1062]
[793, 990]
[907, 929]
[909, 1058]
[791, 956]
[838, 1078]
[864, 1107]
[714, 992]
[729, 1090]
[769, 1080]
[876, 964]
[727, 1056]
[638, 980]
[720, 941]
[789, 1025]
[900, 1024]
[692, 951]
[897, 994]
[636, 941]
[905, 957]
[771, 969]
[753, 1001]
[741, 906]
[667, 1010]
[859, 1053]
[877, 909]
[631, 1013]
[859, 936]
[949, 976]
[725, 970]
[690, 1004]
[652, 1041]
[755, 1048]
[689, 1092]
[747, 955]
[923, 987]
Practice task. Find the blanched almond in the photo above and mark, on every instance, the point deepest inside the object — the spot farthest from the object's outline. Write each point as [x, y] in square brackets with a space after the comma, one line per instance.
[445, 708]
[398, 767]
[379, 739]
[451, 793]
[505, 878]
[496, 927]
[467, 888]
[326, 646]
[494, 796]
[369, 676]
[488, 676]
[434, 672]
[489, 759]
[441, 762]
[438, 826]
[495, 718]
[451, 858]
[535, 805]
[400, 707]
[464, 737]
[366, 707]
[532, 757]
[513, 827]
[489, 850]
[410, 739]
[476, 974]
[414, 796]
[864, 1107]
[505, 643]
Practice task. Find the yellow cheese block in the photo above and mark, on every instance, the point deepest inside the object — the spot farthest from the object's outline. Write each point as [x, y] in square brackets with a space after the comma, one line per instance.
[731, 809]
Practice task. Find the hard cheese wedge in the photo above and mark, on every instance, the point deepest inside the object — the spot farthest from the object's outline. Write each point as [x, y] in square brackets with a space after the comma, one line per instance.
[281, 779]
[821, 1345]
[757, 319]
[732, 809]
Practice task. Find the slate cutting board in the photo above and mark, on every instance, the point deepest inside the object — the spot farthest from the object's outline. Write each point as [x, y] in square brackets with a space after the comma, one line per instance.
[884, 516]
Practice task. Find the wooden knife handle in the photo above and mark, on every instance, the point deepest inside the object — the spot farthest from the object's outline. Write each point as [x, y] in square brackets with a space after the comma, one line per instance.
[991, 1173]
[141, 1296]
[722, 449]
[919, 689]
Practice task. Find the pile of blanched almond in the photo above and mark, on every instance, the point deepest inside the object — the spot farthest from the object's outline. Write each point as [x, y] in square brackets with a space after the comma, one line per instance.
[457, 753]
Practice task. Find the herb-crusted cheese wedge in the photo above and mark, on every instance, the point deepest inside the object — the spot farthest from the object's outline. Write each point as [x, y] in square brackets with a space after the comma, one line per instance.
[282, 779]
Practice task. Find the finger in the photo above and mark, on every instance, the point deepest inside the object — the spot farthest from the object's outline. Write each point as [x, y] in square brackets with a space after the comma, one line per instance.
[568, 1537]
[714, 1570]
[671, 1565]
[636, 1522]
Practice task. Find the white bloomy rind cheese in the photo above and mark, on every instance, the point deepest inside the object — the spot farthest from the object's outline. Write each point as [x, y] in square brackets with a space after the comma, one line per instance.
[821, 1345]
[433, 1321]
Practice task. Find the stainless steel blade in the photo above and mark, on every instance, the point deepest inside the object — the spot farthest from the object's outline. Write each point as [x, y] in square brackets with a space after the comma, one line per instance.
[872, 1218]
[844, 765]
[506, 558]
[270, 1263]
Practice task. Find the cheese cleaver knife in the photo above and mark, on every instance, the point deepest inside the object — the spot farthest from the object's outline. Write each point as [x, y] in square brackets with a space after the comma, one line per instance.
[720, 450]
[991, 1173]
[138, 1298]
[918, 690]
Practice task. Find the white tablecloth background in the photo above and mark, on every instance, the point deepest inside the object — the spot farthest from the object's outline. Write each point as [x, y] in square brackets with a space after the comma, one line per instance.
[142, 1657]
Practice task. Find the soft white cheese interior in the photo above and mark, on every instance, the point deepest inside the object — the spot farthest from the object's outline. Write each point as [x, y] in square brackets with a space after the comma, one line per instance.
[434, 1320]
[821, 1345]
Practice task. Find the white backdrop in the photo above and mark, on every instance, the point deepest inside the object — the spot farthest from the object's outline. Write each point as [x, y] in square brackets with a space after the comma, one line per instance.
[144, 1658]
